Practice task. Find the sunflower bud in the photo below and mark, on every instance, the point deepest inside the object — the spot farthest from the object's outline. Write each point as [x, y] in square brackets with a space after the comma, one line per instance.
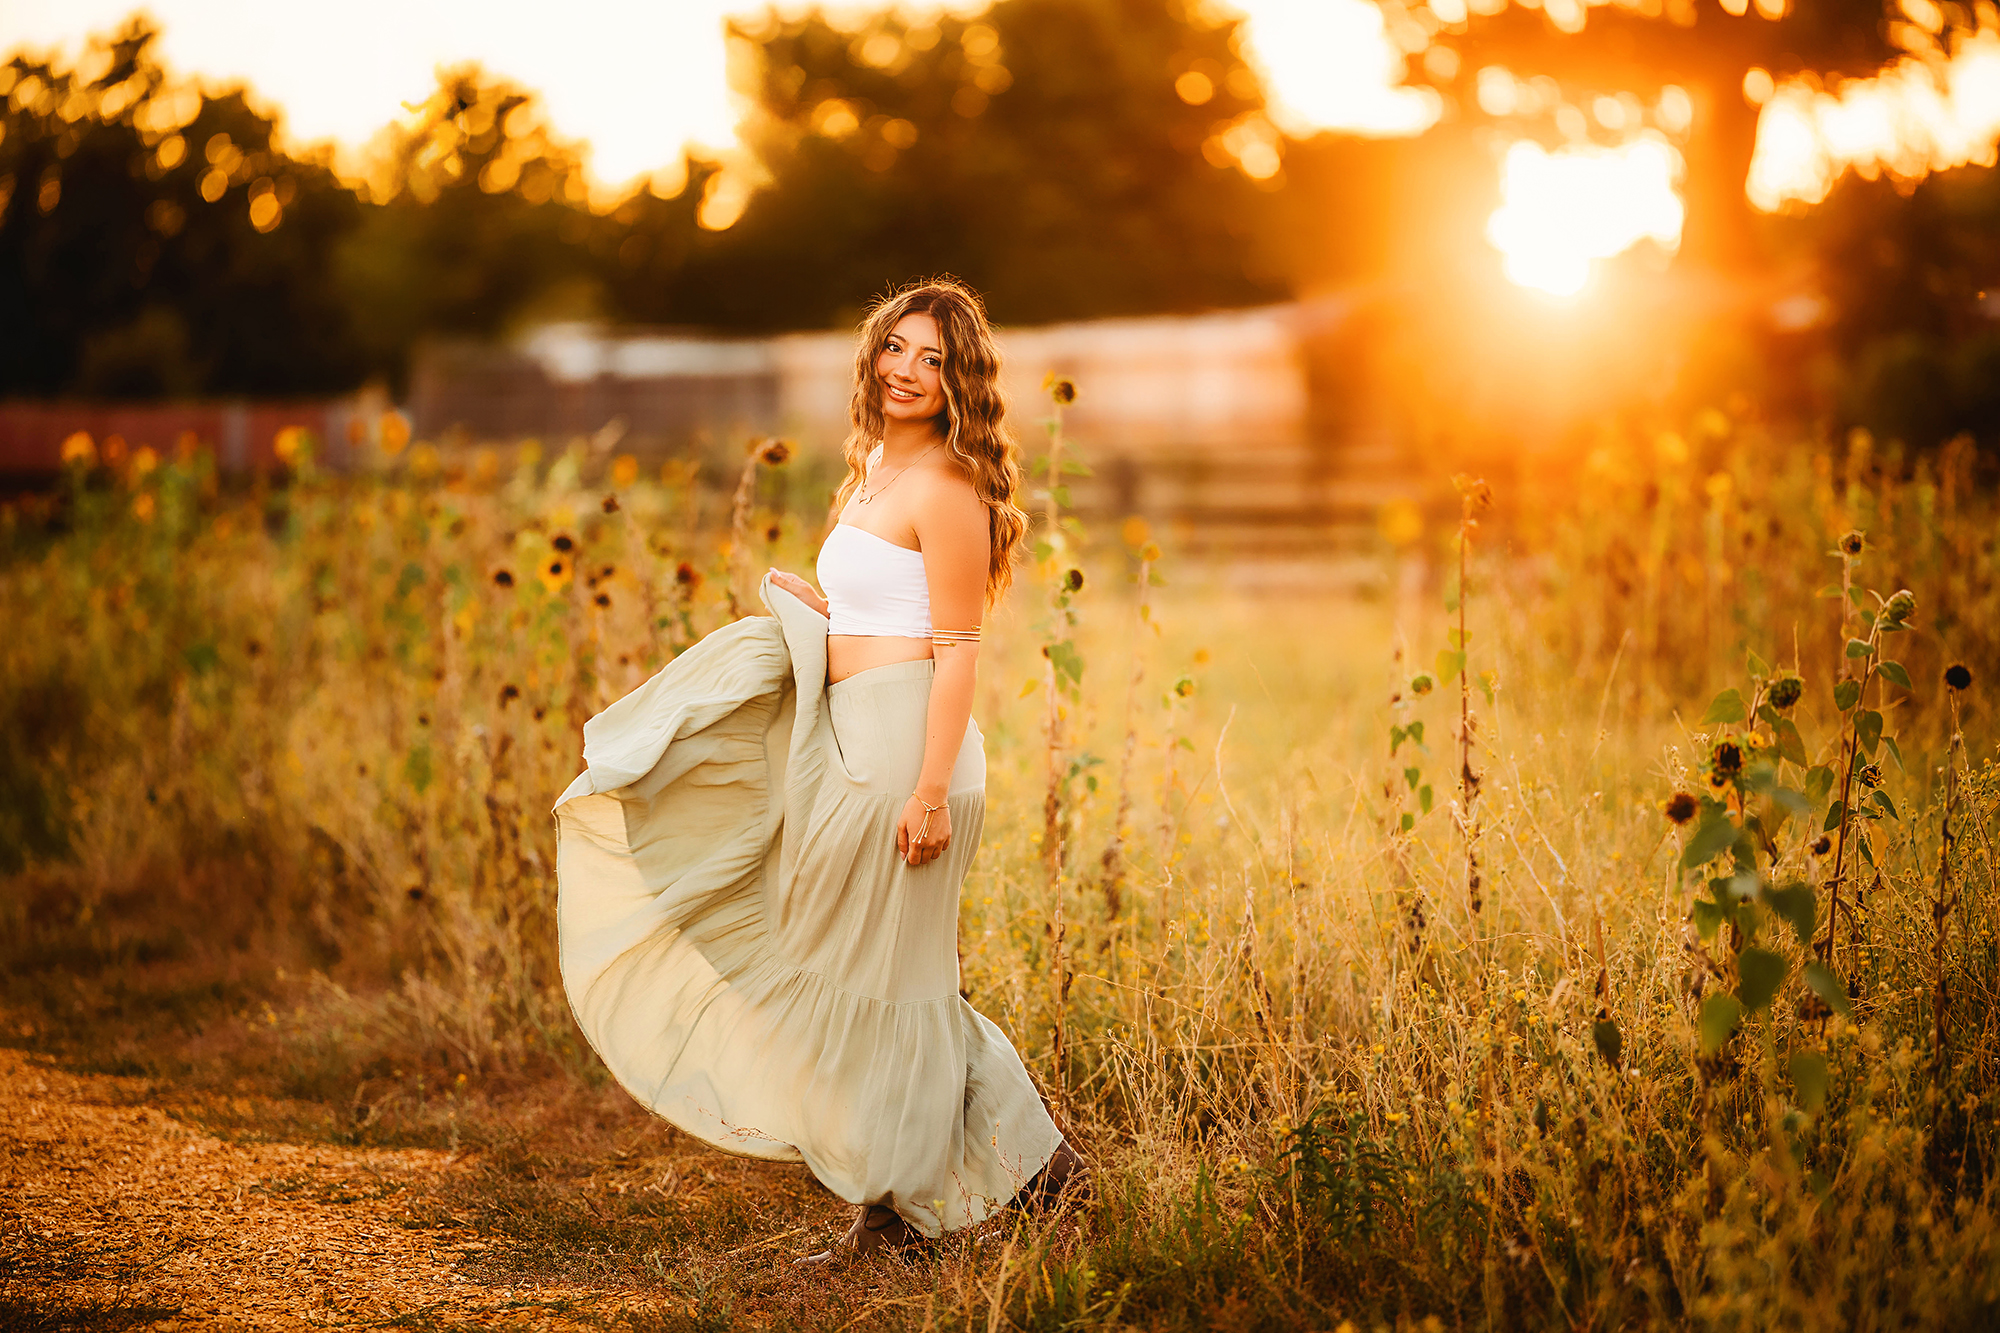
[1422, 685]
[1900, 606]
[1787, 690]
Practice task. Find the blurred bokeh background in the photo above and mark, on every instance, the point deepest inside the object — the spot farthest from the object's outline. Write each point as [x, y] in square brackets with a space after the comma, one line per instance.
[1303, 254]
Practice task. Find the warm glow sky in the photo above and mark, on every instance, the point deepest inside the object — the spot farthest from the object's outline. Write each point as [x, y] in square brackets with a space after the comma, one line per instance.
[637, 78]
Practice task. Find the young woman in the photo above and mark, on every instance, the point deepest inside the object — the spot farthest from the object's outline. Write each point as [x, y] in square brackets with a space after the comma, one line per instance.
[758, 870]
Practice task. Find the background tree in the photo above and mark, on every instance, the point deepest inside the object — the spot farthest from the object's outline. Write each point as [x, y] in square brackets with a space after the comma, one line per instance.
[1905, 343]
[152, 242]
[1041, 152]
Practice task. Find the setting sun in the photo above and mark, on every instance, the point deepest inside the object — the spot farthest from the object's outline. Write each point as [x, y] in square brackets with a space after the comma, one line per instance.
[1560, 211]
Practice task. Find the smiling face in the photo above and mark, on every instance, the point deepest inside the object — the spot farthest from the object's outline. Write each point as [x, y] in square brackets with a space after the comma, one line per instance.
[911, 370]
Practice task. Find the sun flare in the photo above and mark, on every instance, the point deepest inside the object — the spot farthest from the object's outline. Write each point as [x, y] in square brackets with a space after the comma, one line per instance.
[1561, 211]
[1920, 115]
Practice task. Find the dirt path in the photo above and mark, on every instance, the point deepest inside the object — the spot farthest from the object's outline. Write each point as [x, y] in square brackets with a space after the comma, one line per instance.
[115, 1215]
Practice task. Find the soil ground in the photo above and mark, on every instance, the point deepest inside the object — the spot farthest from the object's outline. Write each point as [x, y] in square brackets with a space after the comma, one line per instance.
[116, 1213]
[120, 1210]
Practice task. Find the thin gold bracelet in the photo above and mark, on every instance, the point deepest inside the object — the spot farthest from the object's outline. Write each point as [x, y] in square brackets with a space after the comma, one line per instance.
[929, 810]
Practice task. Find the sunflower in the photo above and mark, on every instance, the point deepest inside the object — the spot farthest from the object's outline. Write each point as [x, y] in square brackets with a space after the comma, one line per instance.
[1725, 761]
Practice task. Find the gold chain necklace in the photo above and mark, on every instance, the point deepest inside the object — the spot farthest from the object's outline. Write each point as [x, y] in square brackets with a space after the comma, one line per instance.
[865, 497]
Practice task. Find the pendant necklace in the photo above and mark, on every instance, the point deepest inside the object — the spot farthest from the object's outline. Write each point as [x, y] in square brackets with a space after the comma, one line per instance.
[865, 497]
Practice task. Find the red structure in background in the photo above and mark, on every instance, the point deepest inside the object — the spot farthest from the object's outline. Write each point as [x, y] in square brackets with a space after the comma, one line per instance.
[240, 433]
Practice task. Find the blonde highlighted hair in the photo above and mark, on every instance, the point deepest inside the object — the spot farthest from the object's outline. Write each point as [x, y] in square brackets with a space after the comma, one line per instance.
[974, 411]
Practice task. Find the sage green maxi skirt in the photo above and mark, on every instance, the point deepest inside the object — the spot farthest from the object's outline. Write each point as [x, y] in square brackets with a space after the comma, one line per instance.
[747, 952]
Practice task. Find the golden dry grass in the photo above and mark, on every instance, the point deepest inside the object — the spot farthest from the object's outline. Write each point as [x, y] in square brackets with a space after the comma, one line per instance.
[278, 772]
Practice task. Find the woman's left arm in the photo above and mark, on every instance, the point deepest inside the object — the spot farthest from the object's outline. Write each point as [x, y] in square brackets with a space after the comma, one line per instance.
[952, 529]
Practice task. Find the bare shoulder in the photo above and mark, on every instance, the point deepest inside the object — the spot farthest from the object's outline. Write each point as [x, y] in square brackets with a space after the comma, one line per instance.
[943, 490]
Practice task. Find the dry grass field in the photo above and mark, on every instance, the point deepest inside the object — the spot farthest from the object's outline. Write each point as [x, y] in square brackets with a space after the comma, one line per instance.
[1603, 939]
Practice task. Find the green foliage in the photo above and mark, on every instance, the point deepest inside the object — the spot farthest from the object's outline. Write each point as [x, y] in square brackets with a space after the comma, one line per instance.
[1760, 973]
[1726, 707]
[1808, 1071]
[1346, 1183]
[1720, 1013]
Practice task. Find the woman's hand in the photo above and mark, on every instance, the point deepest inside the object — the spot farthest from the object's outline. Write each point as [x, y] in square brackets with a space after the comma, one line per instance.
[800, 589]
[936, 835]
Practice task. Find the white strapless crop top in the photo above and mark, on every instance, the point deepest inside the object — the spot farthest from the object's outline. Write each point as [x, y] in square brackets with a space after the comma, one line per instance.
[873, 586]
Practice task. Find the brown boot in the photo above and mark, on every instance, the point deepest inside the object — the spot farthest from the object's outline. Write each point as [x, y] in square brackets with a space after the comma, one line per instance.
[1065, 1178]
[880, 1228]
[875, 1227]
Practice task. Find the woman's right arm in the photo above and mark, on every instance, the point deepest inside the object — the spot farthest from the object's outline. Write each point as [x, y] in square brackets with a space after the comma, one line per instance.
[800, 589]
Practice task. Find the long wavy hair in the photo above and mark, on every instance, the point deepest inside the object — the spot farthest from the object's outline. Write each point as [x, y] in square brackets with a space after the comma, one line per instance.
[975, 412]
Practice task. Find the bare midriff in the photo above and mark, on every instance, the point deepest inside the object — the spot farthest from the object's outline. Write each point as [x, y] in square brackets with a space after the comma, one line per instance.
[848, 654]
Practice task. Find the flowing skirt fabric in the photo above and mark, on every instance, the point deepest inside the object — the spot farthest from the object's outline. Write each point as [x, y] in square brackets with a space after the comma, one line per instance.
[749, 955]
